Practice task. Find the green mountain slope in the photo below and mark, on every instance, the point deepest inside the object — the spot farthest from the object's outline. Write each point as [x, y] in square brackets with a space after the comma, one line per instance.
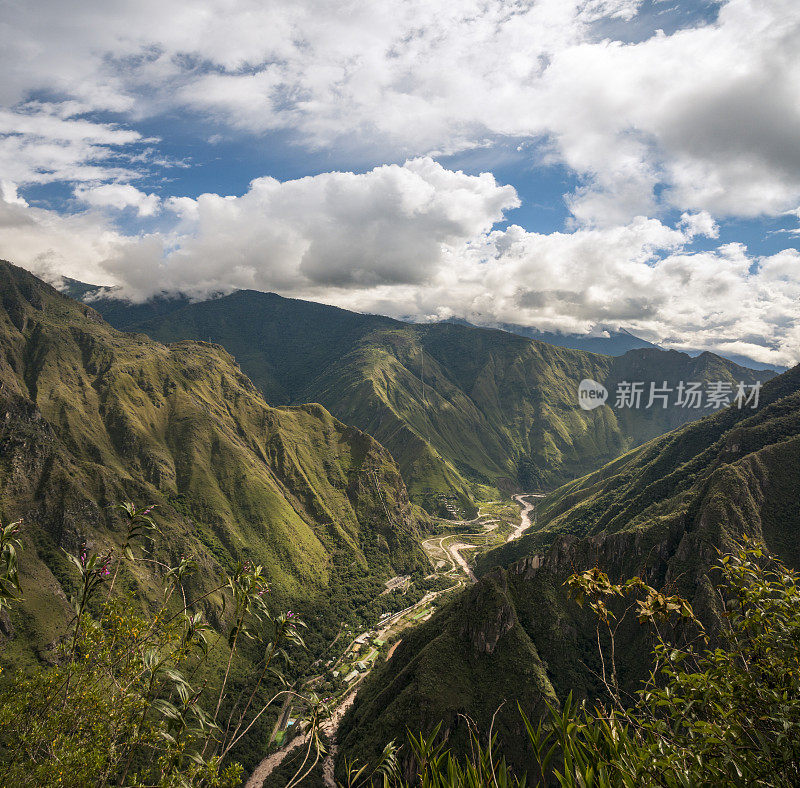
[282, 343]
[117, 311]
[661, 511]
[457, 406]
[92, 416]
[413, 692]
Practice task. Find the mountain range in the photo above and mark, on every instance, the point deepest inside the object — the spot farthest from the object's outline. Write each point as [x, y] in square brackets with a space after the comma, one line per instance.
[465, 411]
[609, 342]
[606, 340]
[92, 416]
[312, 440]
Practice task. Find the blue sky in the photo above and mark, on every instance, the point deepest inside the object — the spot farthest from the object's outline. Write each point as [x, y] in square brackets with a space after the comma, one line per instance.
[567, 165]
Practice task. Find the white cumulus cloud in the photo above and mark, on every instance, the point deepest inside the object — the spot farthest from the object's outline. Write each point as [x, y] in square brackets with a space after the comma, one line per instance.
[421, 240]
[391, 225]
[703, 118]
[119, 196]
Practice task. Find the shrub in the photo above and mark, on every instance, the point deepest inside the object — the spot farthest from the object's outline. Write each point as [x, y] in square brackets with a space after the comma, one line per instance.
[135, 699]
[721, 711]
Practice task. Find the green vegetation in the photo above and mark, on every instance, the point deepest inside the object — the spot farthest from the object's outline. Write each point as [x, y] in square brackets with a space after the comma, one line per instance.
[134, 699]
[464, 411]
[446, 667]
[91, 416]
[660, 512]
[291, 499]
[707, 714]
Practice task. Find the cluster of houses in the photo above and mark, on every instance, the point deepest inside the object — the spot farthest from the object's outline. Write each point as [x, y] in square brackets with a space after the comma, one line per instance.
[397, 582]
[372, 646]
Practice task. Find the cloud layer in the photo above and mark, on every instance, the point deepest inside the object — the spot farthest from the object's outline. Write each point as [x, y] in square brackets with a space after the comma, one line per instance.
[701, 122]
[705, 118]
[420, 240]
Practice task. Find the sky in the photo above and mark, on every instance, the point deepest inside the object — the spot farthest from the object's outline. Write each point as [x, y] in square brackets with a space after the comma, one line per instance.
[573, 165]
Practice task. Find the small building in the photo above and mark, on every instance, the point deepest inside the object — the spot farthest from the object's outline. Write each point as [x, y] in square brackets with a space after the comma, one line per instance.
[351, 676]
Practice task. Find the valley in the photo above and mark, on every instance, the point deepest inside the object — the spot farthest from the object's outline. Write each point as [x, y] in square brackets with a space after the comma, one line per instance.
[421, 545]
[400, 394]
[661, 512]
[379, 642]
[93, 416]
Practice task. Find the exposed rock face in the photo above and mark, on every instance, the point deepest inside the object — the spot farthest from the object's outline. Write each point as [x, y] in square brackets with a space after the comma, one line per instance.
[492, 614]
[6, 627]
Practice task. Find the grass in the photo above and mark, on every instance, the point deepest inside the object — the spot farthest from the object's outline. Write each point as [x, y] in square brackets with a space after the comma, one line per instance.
[464, 411]
[96, 416]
